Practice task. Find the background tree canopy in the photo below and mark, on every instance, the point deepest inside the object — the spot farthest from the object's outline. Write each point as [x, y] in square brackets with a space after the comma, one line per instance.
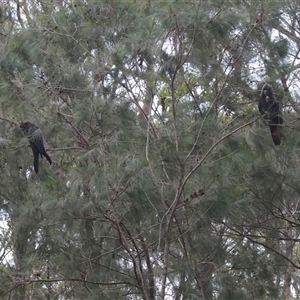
[165, 182]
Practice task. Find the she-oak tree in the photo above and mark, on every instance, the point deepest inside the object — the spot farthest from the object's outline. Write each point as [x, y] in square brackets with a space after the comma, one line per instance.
[166, 184]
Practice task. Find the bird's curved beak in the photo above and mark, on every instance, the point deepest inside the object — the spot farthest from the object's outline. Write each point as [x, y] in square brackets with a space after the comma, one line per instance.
[266, 93]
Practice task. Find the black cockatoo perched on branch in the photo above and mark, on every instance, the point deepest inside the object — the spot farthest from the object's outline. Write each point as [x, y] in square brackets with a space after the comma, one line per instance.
[35, 137]
[269, 107]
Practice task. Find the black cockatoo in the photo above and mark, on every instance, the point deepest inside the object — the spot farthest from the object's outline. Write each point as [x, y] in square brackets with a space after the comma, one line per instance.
[36, 142]
[269, 107]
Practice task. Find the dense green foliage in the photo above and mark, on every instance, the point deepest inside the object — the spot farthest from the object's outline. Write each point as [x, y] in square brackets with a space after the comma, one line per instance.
[165, 182]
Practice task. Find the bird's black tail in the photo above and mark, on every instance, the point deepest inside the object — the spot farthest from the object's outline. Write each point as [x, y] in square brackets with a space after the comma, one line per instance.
[36, 159]
[275, 129]
[48, 157]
